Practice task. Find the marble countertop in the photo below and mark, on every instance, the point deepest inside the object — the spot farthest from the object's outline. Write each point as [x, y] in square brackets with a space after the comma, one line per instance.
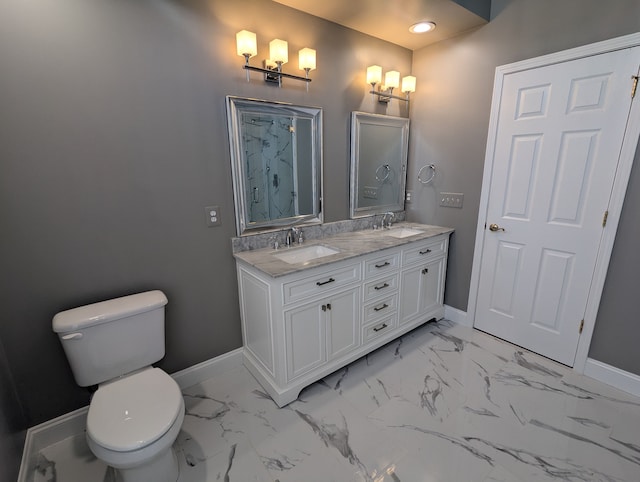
[350, 245]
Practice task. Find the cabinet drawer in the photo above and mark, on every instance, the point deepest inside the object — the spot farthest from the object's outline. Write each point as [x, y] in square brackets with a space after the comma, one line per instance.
[381, 265]
[426, 250]
[380, 287]
[379, 308]
[381, 327]
[320, 283]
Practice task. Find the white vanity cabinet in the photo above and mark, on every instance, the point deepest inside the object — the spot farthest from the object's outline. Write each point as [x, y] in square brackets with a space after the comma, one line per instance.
[302, 326]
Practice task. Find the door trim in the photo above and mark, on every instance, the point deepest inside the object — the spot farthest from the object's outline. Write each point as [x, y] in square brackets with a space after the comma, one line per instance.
[627, 153]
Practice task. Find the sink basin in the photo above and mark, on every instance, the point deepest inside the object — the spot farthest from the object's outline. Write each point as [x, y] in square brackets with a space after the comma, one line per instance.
[403, 232]
[306, 254]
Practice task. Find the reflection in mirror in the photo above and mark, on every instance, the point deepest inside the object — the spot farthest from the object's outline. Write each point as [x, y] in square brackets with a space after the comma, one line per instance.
[379, 146]
[276, 158]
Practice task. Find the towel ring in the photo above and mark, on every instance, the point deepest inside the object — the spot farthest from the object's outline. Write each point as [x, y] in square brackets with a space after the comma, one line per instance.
[387, 169]
[433, 173]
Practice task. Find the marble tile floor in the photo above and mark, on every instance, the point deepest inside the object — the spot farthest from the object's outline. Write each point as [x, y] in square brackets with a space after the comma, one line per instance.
[442, 403]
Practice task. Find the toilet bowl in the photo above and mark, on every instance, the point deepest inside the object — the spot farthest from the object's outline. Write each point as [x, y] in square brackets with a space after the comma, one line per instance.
[136, 413]
[132, 424]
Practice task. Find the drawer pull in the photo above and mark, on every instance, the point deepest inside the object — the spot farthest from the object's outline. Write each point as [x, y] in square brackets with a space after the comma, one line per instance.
[320, 283]
[426, 251]
[381, 327]
[386, 263]
[381, 287]
[425, 271]
[326, 307]
[379, 308]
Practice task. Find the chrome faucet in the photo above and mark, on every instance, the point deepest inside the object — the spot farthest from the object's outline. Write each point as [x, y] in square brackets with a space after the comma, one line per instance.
[391, 217]
[293, 236]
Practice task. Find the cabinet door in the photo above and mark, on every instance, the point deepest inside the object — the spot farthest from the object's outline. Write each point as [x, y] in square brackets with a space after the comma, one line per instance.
[410, 280]
[343, 323]
[421, 289]
[305, 339]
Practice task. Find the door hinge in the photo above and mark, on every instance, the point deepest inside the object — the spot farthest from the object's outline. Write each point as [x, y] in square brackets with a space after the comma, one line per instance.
[604, 218]
[581, 326]
[634, 85]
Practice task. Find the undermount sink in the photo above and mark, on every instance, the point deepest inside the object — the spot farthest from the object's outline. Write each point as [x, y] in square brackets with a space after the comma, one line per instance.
[403, 232]
[306, 254]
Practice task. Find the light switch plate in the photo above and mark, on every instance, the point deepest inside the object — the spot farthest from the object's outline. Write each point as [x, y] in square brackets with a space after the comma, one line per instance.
[451, 199]
[369, 192]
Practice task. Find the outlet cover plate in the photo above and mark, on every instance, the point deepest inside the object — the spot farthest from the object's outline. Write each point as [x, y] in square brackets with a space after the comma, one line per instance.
[213, 216]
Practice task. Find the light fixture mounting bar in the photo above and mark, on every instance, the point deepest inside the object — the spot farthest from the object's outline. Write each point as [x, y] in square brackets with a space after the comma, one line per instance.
[276, 73]
[382, 96]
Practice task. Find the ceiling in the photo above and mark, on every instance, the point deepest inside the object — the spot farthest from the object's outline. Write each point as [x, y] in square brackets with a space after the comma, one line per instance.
[390, 19]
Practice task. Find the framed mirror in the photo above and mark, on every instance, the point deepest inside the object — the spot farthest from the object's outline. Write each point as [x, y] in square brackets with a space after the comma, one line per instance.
[276, 160]
[379, 146]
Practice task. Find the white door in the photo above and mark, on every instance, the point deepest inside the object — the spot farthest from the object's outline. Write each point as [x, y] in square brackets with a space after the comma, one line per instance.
[558, 140]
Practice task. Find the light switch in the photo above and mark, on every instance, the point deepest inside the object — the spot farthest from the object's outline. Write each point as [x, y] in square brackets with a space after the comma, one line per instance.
[451, 199]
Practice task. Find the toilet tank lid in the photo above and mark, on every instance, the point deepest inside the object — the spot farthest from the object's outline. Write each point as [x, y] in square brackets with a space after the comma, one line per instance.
[96, 313]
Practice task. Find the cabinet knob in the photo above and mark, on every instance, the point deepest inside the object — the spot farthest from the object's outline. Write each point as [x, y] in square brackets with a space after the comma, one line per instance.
[425, 271]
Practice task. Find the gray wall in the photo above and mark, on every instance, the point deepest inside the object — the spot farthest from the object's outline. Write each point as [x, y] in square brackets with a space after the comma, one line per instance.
[112, 141]
[450, 118]
[11, 423]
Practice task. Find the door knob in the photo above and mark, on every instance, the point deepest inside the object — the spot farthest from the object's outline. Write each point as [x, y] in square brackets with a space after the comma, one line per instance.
[495, 227]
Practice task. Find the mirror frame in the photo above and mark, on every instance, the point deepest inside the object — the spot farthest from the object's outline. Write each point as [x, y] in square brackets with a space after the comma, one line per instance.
[236, 106]
[363, 118]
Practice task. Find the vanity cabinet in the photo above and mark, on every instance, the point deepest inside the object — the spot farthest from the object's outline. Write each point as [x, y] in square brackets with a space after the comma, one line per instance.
[302, 326]
[321, 331]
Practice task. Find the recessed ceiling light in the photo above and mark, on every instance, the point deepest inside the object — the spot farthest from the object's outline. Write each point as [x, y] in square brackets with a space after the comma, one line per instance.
[422, 27]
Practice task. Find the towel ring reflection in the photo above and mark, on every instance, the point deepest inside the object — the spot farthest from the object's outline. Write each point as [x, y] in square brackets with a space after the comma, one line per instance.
[387, 171]
[433, 173]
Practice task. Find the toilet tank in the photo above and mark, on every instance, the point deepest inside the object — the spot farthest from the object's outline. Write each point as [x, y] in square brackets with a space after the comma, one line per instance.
[112, 338]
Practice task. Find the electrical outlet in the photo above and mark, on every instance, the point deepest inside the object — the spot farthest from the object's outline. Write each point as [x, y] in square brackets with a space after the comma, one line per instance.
[369, 192]
[451, 199]
[213, 216]
[408, 196]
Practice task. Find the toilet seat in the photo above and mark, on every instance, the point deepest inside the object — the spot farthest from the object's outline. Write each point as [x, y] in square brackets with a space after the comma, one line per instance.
[132, 412]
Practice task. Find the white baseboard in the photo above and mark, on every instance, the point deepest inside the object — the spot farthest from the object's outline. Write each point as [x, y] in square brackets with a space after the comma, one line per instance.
[207, 369]
[620, 379]
[457, 316]
[74, 423]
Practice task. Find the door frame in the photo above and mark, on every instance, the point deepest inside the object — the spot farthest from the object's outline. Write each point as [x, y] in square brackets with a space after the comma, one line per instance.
[625, 163]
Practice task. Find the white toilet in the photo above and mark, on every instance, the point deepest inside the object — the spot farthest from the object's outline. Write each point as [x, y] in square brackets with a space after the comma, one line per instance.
[136, 413]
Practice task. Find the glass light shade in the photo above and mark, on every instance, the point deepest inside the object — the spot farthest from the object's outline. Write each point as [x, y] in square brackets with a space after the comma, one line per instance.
[307, 59]
[246, 43]
[408, 84]
[374, 74]
[392, 79]
[279, 51]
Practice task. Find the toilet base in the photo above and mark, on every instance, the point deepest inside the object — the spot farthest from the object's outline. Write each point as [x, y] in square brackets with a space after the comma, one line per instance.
[163, 468]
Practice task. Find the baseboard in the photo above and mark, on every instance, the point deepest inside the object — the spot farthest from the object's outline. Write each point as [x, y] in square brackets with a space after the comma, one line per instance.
[620, 379]
[74, 423]
[207, 369]
[457, 316]
[48, 433]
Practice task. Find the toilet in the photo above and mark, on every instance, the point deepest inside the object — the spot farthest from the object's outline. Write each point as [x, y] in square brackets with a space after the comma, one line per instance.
[136, 413]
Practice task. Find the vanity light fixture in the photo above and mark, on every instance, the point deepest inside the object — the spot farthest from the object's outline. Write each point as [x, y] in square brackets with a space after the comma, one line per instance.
[391, 81]
[246, 46]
